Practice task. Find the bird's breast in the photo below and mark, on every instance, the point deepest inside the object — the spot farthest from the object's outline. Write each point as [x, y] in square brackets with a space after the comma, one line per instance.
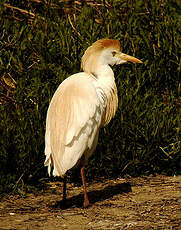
[107, 94]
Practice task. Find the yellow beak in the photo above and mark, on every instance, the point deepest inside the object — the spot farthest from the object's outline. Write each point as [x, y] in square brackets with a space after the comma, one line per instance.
[126, 57]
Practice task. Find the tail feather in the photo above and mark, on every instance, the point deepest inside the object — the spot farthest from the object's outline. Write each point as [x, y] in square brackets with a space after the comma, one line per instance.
[48, 162]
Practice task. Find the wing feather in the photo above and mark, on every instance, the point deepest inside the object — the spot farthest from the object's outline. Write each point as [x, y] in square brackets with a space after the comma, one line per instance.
[73, 120]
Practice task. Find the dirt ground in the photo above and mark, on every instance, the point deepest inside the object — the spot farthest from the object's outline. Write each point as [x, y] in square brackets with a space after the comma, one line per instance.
[132, 203]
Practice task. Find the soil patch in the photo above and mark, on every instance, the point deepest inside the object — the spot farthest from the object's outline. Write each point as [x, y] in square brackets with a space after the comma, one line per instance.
[133, 203]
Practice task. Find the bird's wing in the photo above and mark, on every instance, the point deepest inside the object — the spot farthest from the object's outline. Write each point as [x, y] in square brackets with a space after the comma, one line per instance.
[73, 121]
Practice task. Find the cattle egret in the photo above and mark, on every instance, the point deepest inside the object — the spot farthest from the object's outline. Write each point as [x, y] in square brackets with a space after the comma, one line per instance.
[82, 104]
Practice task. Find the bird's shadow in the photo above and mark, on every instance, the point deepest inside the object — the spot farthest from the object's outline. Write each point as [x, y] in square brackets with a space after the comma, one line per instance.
[94, 196]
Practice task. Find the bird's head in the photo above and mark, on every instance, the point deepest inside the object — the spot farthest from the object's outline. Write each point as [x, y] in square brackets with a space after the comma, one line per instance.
[102, 52]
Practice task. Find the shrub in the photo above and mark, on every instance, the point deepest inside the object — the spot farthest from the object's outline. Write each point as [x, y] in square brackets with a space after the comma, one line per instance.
[41, 43]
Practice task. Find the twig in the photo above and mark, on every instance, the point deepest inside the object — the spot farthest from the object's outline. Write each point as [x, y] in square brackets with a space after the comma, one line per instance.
[73, 26]
[17, 182]
[20, 10]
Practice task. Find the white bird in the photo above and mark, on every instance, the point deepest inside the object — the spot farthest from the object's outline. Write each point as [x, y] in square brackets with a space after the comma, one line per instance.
[82, 104]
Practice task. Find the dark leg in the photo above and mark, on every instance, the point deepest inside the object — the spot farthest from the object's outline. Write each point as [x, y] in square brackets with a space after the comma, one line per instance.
[64, 188]
[86, 201]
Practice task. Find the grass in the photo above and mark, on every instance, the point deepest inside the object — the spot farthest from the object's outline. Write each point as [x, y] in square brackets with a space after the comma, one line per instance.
[41, 44]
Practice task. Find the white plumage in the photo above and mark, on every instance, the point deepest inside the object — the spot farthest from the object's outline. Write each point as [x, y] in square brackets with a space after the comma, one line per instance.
[73, 120]
[80, 106]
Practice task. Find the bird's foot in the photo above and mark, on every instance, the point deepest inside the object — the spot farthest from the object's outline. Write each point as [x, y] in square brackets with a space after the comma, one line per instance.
[86, 203]
[64, 202]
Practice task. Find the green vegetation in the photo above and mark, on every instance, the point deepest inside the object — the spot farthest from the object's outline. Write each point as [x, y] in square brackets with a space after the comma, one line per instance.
[42, 42]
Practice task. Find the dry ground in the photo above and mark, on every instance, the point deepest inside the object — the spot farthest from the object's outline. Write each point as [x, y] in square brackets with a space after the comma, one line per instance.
[134, 203]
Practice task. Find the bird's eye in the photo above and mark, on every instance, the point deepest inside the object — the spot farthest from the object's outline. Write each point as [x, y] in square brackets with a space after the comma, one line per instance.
[113, 53]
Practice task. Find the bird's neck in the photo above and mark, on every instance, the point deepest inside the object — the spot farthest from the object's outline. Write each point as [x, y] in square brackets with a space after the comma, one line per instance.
[104, 74]
[106, 87]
